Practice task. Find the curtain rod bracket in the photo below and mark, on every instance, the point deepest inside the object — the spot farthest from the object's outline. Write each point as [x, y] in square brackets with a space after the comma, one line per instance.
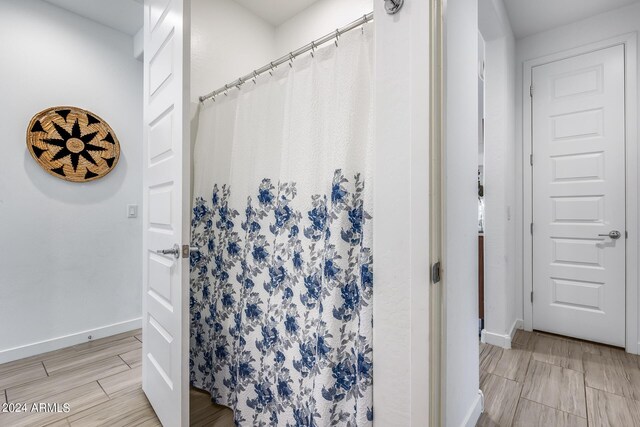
[393, 6]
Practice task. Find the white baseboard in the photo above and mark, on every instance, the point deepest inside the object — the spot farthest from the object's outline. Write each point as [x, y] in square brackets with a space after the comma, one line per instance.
[474, 412]
[501, 340]
[52, 344]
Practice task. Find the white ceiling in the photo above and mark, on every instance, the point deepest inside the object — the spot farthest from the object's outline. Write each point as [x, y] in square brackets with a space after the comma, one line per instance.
[127, 15]
[276, 11]
[533, 16]
[122, 15]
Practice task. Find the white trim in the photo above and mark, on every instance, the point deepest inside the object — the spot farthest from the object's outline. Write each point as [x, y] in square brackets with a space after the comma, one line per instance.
[630, 42]
[474, 412]
[437, 367]
[52, 344]
[401, 177]
[501, 340]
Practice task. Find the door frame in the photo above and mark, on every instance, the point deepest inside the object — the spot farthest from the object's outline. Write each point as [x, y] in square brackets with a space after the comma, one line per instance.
[629, 41]
[437, 337]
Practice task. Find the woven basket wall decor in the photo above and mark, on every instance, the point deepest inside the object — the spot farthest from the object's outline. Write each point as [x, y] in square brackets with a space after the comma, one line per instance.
[72, 144]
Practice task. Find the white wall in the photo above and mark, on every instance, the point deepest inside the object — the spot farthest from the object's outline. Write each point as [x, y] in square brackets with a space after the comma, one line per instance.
[316, 21]
[499, 172]
[71, 260]
[462, 400]
[598, 28]
[227, 41]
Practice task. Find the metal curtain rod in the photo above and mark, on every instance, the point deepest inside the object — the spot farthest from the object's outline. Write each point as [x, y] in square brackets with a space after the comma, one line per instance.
[290, 56]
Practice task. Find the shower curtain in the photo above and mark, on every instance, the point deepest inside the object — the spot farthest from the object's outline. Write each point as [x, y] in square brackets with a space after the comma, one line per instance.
[281, 286]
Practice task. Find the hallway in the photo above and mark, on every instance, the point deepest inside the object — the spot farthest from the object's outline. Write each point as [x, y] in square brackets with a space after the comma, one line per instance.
[547, 380]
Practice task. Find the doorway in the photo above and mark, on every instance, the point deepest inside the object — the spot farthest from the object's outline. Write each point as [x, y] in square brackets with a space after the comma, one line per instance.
[522, 372]
[578, 275]
[578, 205]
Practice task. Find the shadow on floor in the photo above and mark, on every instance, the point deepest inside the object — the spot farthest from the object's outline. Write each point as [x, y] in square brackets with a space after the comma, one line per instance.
[204, 413]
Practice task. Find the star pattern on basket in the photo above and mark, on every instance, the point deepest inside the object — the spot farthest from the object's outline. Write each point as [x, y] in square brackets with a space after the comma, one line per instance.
[74, 145]
[78, 143]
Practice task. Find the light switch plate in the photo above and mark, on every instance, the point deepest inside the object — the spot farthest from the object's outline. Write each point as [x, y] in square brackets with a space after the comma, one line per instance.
[132, 211]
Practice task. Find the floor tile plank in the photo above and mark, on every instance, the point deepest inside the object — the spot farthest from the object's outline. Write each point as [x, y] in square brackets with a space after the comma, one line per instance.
[79, 399]
[59, 423]
[92, 377]
[22, 375]
[64, 380]
[557, 387]
[532, 414]
[155, 422]
[607, 374]
[510, 364]
[568, 382]
[17, 364]
[607, 409]
[122, 382]
[126, 410]
[133, 358]
[564, 353]
[89, 355]
[500, 401]
[523, 340]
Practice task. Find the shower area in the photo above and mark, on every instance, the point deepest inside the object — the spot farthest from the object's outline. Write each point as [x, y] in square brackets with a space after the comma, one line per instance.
[281, 267]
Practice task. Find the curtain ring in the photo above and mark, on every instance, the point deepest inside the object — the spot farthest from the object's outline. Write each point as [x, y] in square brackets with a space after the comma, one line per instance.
[240, 83]
[313, 48]
[272, 68]
[291, 59]
[337, 36]
[226, 89]
[255, 76]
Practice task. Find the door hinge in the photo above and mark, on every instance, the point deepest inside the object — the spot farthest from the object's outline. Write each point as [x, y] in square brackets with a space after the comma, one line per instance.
[531, 159]
[531, 91]
[531, 229]
[435, 272]
[531, 296]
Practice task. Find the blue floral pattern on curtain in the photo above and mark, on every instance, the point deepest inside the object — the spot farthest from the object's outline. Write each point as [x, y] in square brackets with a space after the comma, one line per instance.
[281, 297]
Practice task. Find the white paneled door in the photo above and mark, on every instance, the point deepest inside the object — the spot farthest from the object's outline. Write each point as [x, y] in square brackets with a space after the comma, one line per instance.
[165, 360]
[579, 196]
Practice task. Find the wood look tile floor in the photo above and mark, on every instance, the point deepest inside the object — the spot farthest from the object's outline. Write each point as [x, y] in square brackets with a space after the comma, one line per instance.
[552, 381]
[101, 382]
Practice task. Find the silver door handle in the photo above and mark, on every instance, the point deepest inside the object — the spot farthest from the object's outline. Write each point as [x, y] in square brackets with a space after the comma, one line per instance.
[175, 251]
[615, 234]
